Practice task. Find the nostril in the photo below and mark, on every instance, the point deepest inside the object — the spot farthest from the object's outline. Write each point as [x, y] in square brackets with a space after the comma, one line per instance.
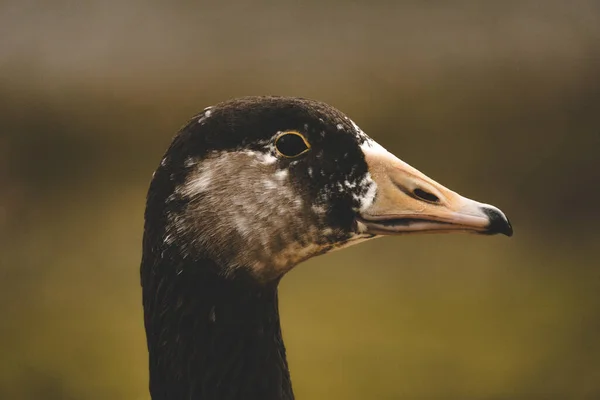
[423, 195]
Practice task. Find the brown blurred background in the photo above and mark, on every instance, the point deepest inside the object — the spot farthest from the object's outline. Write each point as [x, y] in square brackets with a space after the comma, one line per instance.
[499, 100]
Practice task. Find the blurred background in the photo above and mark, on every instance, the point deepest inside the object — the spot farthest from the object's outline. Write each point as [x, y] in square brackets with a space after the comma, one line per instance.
[499, 101]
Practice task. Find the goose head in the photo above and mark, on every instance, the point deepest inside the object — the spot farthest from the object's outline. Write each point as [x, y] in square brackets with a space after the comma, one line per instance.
[263, 183]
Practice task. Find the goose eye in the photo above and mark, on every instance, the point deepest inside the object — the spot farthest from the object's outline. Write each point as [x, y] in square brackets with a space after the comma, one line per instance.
[291, 144]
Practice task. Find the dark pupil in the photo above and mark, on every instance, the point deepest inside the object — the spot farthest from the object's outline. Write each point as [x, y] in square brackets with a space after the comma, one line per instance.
[290, 145]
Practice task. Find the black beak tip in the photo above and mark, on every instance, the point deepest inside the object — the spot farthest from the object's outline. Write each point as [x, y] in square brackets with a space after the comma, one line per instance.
[499, 222]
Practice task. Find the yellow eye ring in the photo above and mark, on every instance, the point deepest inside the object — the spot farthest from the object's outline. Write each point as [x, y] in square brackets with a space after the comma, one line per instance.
[287, 144]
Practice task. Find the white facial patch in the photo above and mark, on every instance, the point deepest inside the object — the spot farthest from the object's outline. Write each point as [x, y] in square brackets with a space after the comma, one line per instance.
[241, 200]
[269, 184]
[369, 191]
[265, 158]
[281, 174]
[199, 183]
[369, 147]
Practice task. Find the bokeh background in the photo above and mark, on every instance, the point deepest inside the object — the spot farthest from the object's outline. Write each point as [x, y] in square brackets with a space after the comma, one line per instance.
[498, 100]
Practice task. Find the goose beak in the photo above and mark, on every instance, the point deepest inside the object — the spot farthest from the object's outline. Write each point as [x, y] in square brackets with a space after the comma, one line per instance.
[408, 201]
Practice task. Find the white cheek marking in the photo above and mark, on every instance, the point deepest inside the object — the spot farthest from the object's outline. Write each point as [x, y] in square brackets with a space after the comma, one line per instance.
[319, 209]
[281, 174]
[242, 225]
[369, 146]
[200, 183]
[229, 190]
[269, 184]
[367, 199]
[367, 183]
[263, 158]
[267, 159]
[350, 185]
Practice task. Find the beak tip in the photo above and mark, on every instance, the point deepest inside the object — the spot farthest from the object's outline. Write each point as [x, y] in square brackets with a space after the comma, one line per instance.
[509, 230]
[499, 222]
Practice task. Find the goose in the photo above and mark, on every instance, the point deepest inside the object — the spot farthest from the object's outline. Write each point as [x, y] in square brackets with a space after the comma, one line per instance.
[248, 189]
